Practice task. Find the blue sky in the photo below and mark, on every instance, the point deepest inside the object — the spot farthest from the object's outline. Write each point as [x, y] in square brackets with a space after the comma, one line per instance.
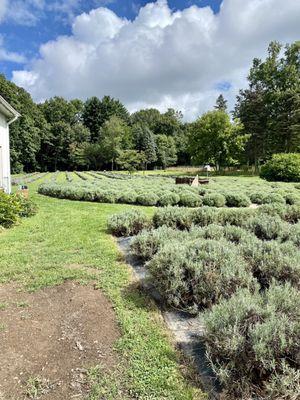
[176, 53]
[24, 36]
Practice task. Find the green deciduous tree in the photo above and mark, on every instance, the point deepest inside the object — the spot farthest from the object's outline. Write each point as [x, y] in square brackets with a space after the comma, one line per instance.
[112, 133]
[27, 132]
[131, 160]
[89, 155]
[148, 117]
[168, 123]
[215, 139]
[57, 109]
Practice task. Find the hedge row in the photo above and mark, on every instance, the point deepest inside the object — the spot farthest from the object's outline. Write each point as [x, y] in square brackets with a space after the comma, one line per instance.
[184, 198]
[267, 222]
[164, 192]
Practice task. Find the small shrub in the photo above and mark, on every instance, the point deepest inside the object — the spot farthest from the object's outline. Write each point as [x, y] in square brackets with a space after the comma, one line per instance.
[274, 209]
[128, 197]
[252, 338]
[273, 198]
[90, 195]
[282, 167]
[14, 206]
[208, 215]
[294, 234]
[190, 199]
[235, 234]
[106, 196]
[266, 227]
[214, 200]
[28, 207]
[169, 199]
[271, 260]
[147, 243]
[201, 190]
[292, 214]
[236, 217]
[128, 223]
[10, 209]
[292, 198]
[257, 198]
[173, 217]
[284, 385]
[213, 231]
[147, 199]
[195, 275]
[204, 216]
[237, 200]
[74, 193]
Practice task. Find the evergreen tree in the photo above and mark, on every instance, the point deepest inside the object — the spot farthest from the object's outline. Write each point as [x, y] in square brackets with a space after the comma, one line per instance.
[252, 111]
[221, 103]
[91, 117]
[268, 108]
[96, 112]
[110, 107]
[145, 142]
[295, 123]
[166, 151]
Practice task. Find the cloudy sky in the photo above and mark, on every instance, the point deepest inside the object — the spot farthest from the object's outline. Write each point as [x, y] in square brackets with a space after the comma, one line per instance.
[176, 53]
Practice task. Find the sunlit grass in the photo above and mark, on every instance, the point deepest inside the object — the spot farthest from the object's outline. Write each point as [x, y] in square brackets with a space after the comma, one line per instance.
[43, 250]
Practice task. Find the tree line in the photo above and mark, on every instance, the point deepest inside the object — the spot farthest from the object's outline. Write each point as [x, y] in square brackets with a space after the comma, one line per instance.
[101, 133]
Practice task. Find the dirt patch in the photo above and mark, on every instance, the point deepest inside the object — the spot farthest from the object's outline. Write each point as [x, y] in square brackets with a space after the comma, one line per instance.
[48, 340]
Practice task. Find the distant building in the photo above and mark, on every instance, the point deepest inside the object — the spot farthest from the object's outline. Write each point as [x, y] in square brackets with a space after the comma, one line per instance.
[7, 115]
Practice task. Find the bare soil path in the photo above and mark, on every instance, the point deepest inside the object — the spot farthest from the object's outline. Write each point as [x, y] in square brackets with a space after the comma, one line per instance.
[50, 338]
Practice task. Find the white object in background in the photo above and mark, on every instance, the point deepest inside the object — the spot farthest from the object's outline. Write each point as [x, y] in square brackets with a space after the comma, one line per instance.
[7, 116]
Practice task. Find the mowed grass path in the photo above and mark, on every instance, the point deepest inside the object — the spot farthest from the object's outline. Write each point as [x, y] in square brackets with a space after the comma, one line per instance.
[59, 243]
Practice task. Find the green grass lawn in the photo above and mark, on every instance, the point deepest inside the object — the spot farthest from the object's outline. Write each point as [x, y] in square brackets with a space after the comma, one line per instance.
[43, 250]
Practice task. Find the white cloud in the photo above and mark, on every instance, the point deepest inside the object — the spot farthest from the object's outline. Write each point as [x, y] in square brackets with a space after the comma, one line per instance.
[162, 58]
[106, 25]
[21, 12]
[6, 55]
[30, 12]
[64, 9]
[3, 9]
[11, 56]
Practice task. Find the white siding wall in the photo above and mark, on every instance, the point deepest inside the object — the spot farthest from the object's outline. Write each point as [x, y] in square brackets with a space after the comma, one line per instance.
[4, 143]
